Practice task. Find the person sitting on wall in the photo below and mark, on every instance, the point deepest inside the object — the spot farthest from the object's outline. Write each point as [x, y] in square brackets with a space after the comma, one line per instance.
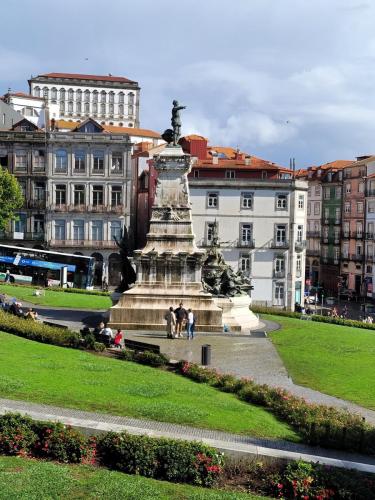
[117, 342]
[31, 314]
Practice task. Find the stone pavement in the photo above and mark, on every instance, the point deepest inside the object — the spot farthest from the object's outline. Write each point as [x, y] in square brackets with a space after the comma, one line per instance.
[230, 444]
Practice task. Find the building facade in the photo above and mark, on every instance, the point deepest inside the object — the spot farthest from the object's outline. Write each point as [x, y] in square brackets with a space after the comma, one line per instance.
[29, 106]
[110, 100]
[79, 191]
[8, 116]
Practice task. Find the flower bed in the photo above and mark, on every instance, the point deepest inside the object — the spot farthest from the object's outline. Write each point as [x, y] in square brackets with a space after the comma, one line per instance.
[167, 459]
[317, 424]
[314, 317]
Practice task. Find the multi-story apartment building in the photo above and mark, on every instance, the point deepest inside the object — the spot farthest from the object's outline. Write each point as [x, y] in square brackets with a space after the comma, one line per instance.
[369, 278]
[313, 225]
[110, 100]
[29, 106]
[79, 190]
[260, 213]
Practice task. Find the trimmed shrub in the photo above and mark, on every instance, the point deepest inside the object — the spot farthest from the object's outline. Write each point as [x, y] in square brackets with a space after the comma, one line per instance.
[150, 358]
[33, 330]
[16, 434]
[66, 290]
[59, 442]
[171, 460]
[127, 355]
[317, 424]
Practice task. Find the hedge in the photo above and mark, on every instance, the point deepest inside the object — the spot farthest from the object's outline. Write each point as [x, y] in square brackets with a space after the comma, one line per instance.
[314, 317]
[64, 290]
[317, 424]
[34, 330]
[144, 358]
[158, 458]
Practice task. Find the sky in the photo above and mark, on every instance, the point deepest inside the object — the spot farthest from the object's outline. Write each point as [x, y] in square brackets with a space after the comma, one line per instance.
[275, 78]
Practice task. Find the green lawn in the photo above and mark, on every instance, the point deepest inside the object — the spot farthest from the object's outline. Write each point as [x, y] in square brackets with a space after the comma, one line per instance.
[24, 479]
[60, 299]
[75, 379]
[333, 359]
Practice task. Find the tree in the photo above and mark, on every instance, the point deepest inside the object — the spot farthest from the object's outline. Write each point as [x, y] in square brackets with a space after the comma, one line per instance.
[11, 198]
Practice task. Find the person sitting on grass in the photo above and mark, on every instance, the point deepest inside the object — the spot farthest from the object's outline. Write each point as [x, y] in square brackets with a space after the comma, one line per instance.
[31, 314]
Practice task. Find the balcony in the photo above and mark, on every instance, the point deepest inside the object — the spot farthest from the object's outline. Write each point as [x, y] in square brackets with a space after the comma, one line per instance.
[370, 258]
[345, 235]
[299, 246]
[313, 253]
[275, 243]
[370, 192]
[83, 243]
[116, 209]
[357, 235]
[37, 204]
[369, 236]
[313, 234]
[278, 274]
[357, 258]
[246, 243]
[337, 222]
[39, 169]
[22, 235]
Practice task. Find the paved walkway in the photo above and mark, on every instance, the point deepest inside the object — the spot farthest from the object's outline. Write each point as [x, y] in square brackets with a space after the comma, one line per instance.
[231, 444]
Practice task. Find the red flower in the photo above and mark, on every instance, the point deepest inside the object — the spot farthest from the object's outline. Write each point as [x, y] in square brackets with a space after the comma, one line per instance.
[213, 468]
[280, 486]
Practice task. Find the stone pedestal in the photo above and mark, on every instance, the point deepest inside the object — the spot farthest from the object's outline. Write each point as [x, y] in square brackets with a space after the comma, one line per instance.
[237, 314]
[169, 267]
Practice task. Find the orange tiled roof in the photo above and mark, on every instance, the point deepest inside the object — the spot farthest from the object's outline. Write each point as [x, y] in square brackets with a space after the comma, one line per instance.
[113, 129]
[253, 163]
[22, 94]
[196, 137]
[73, 76]
[358, 163]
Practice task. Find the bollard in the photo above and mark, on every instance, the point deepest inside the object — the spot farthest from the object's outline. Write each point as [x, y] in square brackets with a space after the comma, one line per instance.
[206, 354]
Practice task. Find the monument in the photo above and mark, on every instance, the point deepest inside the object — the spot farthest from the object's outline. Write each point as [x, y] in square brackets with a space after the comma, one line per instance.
[168, 269]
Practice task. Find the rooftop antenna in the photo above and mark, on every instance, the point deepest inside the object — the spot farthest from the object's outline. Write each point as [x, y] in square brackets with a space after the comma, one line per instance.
[294, 164]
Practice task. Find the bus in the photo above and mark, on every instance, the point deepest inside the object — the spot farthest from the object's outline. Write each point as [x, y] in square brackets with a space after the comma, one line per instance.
[45, 268]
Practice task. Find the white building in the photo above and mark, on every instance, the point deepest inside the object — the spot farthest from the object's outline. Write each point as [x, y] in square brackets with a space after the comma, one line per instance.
[110, 100]
[29, 106]
[262, 230]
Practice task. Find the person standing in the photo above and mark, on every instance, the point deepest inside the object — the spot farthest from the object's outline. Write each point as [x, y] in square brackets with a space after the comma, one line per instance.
[170, 318]
[181, 317]
[190, 324]
[7, 276]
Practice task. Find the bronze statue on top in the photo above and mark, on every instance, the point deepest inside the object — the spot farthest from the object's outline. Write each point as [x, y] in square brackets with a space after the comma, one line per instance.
[128, 275]
[173, 135]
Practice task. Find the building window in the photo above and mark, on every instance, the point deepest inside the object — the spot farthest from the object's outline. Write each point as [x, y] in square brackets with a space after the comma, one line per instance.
[298, 263]
[244, 263]
[280, 233]
[279, 293]
[116, 196]
[62, 107]
[60, 194]
[95, 108]
[360, 207]
[62, 94]
[301, 202]
[20, 223]
[79, 95]
[45, 93]
[338, 192]
[281, 202]
[21, 160]
[196, 174]
[280, 265]
[131, 98]
[210, 229]
[317, 208]
[97, 230]
[230, 174]
[348, 188]
[97, 196]
[115, 230]
[116, 166]
[79, 194]
[348, 172]
[246, 233]
[78, 230]
[345, 229]
[60, 229]
[87, 96]
[98, 161]
[337, 214]
[326, 214]
[102, 109]
[87, 107]
[347, 207]
[40, 191]
[247, 200]
[79, 161]
[95, 96]
[317, 190]
[299, 234]
[121, 97]
[361, 187]
[70, 107]
[37, 91]
[371, 207]
[111, 109]
[359, 229]
[103, 96]
[309, 208]
[111, 97]
[327, 193]
[78, 107]
[212, 200]
[130, 110]
[61, 161]
[121, 109]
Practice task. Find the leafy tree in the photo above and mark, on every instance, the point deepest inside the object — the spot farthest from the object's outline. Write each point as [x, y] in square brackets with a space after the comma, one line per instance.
[11, 198]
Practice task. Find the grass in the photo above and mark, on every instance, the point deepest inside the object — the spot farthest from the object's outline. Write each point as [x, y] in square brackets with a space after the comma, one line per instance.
[25, 479]
[75, 379]
[60, 299]
[333, 359]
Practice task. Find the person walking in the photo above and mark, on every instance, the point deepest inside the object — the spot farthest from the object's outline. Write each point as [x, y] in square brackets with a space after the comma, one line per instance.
[190, 324]
[181, 317]
[170, 318]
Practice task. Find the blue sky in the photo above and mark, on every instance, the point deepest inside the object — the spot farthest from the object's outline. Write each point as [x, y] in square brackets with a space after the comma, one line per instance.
[277, 78]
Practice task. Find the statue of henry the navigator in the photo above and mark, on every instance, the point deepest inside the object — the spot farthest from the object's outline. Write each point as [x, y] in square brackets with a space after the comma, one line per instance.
[176, 121]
